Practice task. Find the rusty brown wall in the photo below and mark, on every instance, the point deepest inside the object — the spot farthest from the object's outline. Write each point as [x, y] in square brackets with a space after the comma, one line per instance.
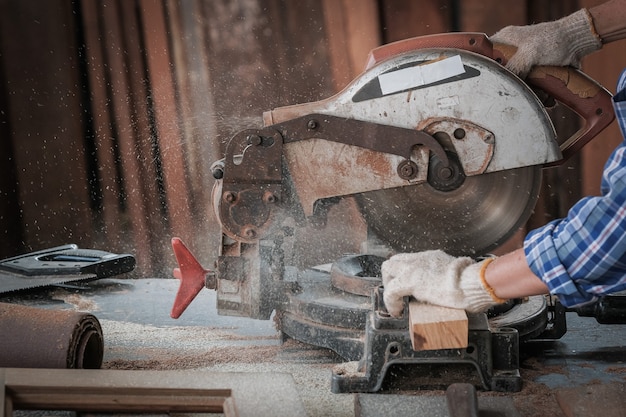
[111, 111]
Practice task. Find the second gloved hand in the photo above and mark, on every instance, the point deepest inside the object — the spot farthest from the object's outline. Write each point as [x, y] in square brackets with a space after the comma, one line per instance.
[436, 278]
[561, 42]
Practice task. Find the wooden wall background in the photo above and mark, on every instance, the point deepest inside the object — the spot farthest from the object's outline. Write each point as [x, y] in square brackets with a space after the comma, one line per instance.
[111, 111]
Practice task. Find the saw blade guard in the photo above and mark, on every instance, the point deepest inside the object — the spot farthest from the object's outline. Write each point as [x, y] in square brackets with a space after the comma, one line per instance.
[494, 128]
[416, 89]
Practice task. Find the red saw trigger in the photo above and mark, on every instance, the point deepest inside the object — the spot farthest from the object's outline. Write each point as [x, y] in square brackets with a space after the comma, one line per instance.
[190, 273]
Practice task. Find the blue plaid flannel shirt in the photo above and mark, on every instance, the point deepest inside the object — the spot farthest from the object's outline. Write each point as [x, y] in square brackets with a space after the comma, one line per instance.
[583, 255]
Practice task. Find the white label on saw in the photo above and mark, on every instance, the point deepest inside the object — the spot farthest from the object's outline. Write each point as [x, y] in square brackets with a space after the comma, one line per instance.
[412, 77]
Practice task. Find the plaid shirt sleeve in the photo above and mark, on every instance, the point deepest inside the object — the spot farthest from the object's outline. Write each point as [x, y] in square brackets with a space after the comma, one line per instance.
[583, 255]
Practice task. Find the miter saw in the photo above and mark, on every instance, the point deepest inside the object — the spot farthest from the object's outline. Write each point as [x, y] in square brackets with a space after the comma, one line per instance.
[441, 147]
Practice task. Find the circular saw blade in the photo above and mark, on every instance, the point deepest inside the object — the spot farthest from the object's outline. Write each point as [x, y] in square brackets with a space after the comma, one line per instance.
[472, 220]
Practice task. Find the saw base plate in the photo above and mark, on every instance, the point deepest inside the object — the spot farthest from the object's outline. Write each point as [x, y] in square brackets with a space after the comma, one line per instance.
[362, 333]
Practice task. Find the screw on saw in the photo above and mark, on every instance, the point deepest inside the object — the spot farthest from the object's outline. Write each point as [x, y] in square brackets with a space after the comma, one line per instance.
[254, 140]
[249, 232]
[459, 133]
[407, 169]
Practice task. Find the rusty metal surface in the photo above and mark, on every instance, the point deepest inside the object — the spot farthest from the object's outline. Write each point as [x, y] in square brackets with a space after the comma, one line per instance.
[331, 156]
[469, 41]
[466, 216]
[41, 338]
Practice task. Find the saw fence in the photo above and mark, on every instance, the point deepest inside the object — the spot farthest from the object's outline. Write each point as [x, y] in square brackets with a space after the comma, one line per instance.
[112, 111]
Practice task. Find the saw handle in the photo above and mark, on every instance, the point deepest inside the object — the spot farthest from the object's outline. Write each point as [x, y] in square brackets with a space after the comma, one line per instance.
[574, 89]
[592, 102]
[583, 95]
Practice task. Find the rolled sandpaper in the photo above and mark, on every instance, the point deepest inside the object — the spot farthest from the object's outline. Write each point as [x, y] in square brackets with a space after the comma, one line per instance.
[41, 338]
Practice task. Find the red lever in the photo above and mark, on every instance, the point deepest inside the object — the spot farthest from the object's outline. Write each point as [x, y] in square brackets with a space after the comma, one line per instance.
[191, 274]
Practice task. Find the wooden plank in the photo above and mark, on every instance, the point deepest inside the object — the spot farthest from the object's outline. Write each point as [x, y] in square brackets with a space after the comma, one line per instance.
[42, 79]
[605, 67]
[488, 16]
[11, 239]
[122, 107]
[166, 118]
[233, 394]
[105, 139]
[3, 395]
[403, 19]
[434, 327]
[113, 399]
[195, 100]
[352, 30]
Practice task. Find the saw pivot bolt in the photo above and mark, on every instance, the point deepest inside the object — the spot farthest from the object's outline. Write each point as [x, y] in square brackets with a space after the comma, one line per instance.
[446, 177]
[407, 169]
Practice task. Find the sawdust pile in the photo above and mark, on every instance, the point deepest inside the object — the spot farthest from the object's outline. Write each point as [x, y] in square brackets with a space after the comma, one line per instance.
[154, 358]
[166, 360]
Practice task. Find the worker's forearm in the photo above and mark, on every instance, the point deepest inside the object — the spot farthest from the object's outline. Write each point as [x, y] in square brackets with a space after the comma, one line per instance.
[609, 20]
[510, 277]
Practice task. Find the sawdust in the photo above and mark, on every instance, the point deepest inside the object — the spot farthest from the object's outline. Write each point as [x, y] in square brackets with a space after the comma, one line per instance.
[347, 368]
[536, 399]
[77, 301]
[617, 370]
[164, 359]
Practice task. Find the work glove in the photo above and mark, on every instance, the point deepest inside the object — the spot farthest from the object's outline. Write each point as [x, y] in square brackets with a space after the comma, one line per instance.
[437, 278]
[559, 43]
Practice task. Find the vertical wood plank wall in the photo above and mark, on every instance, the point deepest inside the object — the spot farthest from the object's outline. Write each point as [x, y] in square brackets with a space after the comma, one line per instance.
[112, 111]
[604, 66]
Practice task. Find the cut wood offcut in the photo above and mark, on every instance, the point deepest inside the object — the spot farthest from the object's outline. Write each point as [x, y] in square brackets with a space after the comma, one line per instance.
[433, 327]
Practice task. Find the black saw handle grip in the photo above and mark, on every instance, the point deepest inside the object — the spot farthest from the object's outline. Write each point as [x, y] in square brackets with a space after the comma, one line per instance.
[610, 309]
[583, 95]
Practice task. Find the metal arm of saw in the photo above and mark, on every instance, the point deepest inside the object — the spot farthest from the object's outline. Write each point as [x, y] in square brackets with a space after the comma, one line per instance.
[369, 135]
[250, 190]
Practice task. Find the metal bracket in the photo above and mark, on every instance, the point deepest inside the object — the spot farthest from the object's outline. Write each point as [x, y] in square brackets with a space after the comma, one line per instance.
[494, 353]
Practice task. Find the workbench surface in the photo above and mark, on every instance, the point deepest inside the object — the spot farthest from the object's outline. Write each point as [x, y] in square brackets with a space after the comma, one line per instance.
[586, 368]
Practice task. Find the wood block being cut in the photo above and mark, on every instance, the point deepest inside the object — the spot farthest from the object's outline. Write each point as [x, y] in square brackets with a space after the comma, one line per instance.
[434, 327]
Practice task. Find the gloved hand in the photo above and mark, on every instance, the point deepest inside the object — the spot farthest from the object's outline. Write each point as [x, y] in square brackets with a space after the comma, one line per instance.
[436, 278]
[559, 43]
